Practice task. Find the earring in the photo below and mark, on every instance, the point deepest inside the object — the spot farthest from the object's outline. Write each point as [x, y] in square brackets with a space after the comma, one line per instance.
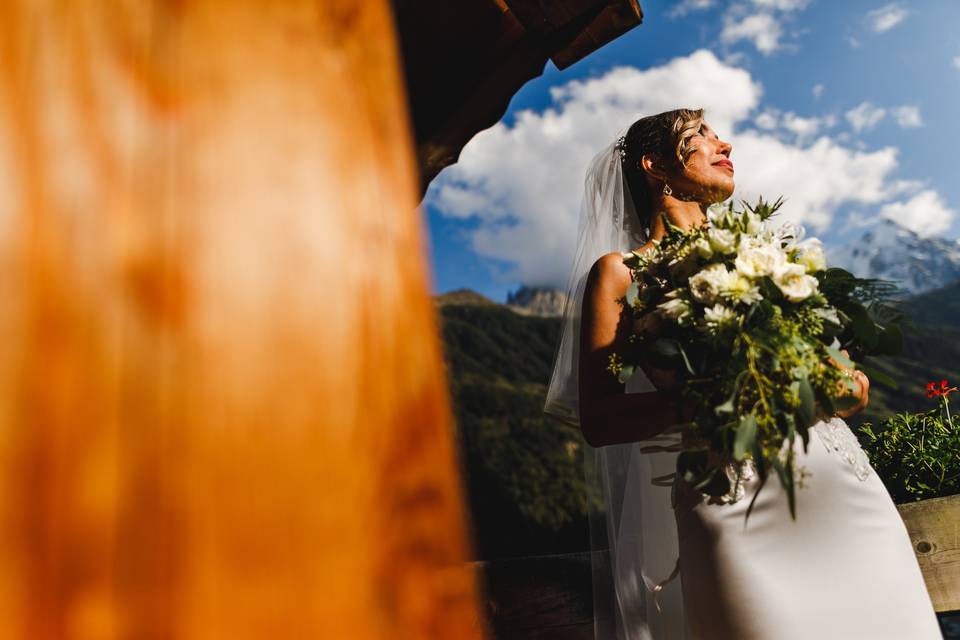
[667, 191]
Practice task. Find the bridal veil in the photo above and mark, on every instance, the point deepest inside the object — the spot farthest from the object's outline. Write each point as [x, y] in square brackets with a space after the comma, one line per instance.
[634, 538]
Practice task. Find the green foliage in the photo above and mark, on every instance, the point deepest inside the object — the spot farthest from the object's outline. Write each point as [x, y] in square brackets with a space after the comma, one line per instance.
[524, 470]
[917, 455]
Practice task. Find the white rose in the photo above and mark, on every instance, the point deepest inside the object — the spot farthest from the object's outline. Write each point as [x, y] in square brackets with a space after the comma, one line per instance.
[756, 260]
[705, 285]
[722, 240]
[704, 250]
[811, 255]
[793, 281]
[754, 224]
[718, 214]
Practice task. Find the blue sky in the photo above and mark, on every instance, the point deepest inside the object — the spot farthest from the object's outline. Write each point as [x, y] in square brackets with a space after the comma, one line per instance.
[846, 108]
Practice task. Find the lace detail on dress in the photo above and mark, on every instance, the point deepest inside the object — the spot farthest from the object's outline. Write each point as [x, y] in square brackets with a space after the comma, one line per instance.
[836, 435]
[748, 470]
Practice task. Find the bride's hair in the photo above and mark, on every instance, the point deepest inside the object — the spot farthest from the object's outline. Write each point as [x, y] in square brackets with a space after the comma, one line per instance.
[665, 135]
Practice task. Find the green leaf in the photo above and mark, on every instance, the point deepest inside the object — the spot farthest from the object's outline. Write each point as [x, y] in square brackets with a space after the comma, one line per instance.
[845, 402]
[890, 342]
[686, 360]
[786, 479]
[876, 375]
[839, 357]
[746, 435]
[626, 372]
[807, 408]
[864, 328]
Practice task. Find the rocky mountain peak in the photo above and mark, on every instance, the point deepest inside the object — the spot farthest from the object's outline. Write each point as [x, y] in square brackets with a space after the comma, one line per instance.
[537, 301]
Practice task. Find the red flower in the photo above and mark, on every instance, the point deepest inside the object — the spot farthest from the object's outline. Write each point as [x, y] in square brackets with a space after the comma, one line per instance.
[933, 390]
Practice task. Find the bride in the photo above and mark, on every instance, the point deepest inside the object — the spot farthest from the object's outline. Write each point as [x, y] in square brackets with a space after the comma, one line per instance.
[683, 565]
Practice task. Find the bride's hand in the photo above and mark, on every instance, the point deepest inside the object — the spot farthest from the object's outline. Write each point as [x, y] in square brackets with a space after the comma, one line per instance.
[863, 383]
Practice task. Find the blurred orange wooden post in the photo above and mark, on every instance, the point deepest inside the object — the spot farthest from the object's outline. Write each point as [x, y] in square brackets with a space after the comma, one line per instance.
[223, 407]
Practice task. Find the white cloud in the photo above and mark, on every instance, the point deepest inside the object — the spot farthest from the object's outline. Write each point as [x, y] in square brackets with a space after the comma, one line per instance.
[687, 6]
[782, 5]
[853, 41]
[865, 116]
[956, 62]
[817, 91]
[762, 29]
[907, 116]
[886, 17]
[521, 184]
[802, 127]
[767, 119]
[925, 213]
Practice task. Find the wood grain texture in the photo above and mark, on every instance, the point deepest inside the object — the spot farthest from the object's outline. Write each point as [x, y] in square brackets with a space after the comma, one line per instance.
[223, 407]
[934, 527]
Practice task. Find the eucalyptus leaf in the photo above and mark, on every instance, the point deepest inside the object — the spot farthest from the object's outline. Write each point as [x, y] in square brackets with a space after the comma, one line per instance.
[807, 408]
[839, 357]
[876, 375]
[746, 435]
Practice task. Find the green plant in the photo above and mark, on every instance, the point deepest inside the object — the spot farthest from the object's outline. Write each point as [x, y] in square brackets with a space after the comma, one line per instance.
[917, 455]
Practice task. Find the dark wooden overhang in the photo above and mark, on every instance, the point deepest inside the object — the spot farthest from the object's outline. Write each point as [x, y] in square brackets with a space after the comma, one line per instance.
[465, 59]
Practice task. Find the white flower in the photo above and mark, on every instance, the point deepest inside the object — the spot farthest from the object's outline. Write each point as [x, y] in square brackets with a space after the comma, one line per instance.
[705, 285]
[722, 240]
[718, 214]
[789, 234]
[756, 259]
[754, 224]
[704, 250]
[738, 288]
[793, 281]
[811, 255]
[718, 315]
[676, 309]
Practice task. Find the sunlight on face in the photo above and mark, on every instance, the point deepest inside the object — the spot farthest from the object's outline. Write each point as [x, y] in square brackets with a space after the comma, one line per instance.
[708, 174]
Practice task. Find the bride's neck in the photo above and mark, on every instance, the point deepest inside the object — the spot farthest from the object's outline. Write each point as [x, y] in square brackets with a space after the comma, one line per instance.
[680, 213]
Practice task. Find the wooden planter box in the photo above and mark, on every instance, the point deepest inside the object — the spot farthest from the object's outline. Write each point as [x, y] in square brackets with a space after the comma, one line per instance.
[934, 527]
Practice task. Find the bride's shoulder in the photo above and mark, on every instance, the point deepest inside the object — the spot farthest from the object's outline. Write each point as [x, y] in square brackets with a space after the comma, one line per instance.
[609, 272]
[610, 267]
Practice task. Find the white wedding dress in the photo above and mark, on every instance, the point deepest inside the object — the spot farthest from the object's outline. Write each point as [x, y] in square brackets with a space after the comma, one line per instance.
[843, 570]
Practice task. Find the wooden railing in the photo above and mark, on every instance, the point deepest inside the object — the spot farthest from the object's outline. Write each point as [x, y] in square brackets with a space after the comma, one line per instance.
[539, 597]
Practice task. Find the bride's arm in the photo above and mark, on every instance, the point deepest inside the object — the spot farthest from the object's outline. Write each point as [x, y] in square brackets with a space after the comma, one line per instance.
[607, 414]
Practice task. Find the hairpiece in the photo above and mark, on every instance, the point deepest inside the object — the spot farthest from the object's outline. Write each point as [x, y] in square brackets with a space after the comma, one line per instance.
[621, 146]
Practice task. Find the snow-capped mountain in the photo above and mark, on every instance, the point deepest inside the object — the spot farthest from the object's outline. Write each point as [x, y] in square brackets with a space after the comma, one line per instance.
[890, 251]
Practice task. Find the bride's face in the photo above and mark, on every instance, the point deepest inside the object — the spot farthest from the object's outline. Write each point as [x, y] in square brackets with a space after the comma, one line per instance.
[708, 174]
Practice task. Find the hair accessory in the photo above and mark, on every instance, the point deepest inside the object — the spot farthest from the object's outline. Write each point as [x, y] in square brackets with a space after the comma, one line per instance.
[667, 191]
[621, 146]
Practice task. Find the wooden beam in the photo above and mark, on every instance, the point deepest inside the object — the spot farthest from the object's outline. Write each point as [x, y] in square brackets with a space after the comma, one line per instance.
[223, 409]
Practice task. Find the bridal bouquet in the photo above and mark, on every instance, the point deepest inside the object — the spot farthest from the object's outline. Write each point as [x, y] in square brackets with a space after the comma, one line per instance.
[746, 317]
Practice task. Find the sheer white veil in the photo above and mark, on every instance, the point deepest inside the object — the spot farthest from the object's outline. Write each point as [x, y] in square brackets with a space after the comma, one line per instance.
[634, 538]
